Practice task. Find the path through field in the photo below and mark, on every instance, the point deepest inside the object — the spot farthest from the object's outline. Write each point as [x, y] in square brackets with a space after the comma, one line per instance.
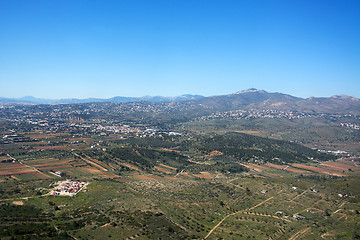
[217, 225]
[260, 203]
[296, 235]
[87, 159]
[31, 167]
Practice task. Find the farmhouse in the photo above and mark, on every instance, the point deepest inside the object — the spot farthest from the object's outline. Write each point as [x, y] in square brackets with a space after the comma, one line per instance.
[68, 188]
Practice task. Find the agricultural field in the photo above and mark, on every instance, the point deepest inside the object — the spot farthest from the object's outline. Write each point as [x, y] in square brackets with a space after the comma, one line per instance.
[177, 189]
[152, 206]
[167, 175]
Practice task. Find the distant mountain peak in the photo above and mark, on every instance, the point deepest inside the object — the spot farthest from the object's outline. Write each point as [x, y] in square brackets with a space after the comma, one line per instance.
[344, 97]
[250, 90]
[34, 100]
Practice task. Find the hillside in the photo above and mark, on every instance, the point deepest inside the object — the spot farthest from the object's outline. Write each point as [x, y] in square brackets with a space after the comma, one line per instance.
[247, 99]
[260, 99]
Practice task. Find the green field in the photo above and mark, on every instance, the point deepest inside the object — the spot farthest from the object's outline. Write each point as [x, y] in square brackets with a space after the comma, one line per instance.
[250, 207]
[217, 179]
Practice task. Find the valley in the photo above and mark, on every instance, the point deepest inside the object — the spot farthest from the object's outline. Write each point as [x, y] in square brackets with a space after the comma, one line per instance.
[261, 166]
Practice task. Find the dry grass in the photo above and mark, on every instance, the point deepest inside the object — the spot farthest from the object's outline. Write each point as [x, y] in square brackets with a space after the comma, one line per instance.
[17, 172]
[341, 165]
[18, 203]
[171, 178]
[41, 175]
[286, 168]
[164, 170]
[166, 166]
[91, 170]
[10, 166]
[111, 176]
[57, 163]
[54, 167]
[213, 153]
[146, 177]
[2, 158]
[317, 169]
[130, 166]
[257, 133]
[205, 175]
[92, 162]
[170, 150]
[255, 167]
[20, 169]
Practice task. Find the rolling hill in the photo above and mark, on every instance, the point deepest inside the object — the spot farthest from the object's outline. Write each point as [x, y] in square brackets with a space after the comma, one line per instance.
[260, 99]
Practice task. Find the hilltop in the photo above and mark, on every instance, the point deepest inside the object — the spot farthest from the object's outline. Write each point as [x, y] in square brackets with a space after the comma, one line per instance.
[260, 99]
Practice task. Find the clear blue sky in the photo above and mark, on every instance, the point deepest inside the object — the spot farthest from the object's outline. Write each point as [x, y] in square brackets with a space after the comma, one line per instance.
[88, 48]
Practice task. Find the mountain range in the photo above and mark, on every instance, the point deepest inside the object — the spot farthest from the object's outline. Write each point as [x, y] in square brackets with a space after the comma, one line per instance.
[34, 100]
[247, 99]
[260, 99]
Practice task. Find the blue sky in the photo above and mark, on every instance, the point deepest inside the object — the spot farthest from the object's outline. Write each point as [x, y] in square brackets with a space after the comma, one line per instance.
[88, 48]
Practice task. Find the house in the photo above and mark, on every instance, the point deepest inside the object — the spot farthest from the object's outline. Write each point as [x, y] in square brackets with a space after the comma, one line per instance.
[298, 217]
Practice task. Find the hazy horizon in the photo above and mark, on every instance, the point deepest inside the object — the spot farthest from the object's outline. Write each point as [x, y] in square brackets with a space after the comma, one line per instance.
[95, 49]
[165, 96]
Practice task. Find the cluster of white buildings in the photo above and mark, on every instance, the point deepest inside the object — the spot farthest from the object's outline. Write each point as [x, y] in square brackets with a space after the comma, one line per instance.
[68, 188]
[255, 113]
[351, 125]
